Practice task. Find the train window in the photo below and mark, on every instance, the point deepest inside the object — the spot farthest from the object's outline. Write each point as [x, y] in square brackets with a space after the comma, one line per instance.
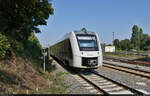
[87, 43]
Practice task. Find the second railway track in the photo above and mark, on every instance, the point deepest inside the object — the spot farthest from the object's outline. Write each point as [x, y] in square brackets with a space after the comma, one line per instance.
[137, 62]
[140, 73]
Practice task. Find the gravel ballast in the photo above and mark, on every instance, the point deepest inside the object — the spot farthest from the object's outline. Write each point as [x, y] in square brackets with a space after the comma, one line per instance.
[74, 86]
[128, 80]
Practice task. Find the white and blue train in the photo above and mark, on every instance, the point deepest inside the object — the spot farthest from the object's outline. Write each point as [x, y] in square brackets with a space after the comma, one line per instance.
[79, 49]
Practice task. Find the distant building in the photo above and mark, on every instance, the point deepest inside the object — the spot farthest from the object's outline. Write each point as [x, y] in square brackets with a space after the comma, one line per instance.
[109, 48]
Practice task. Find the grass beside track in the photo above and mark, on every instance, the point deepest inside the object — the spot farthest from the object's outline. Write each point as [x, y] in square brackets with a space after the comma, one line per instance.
[116, 54]
[57, 85]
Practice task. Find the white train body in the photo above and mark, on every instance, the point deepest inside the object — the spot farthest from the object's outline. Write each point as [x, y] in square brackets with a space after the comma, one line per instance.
[80, 49]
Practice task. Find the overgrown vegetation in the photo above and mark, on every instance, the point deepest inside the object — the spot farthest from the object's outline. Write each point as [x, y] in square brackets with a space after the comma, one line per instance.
[138, 41]
[31, 49]
[4, 46]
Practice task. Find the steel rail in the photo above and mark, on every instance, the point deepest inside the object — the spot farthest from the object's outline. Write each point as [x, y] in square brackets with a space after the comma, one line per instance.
[143, 63]
[94, 85]
[135, 73]
[126, 87]
[97, 87]
[127, 67]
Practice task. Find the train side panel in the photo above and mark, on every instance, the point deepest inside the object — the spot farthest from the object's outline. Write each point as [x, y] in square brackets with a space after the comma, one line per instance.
[100, 57]
[62, 51]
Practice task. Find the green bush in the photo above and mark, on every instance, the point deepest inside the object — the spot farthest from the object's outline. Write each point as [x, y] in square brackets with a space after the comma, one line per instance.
[4, 46]
[34, 46]
[147, 48]
[34, 40]
[29, 49]
[16, 45]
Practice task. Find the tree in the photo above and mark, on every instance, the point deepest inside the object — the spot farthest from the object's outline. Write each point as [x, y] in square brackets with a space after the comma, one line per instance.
[33, 45]
[148, 41]
[141, 33]
[109, 45]
[84, 29]
[117, 43]
[140, 37]
[134, 37]
[126, 44]
[19, 18]
[147, 48]
[34, 40]
[144, 41]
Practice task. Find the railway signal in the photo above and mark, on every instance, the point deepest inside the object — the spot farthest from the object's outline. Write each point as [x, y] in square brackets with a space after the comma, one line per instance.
[44, 51]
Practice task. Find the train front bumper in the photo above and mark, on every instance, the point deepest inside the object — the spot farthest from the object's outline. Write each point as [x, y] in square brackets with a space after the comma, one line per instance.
[87, 62]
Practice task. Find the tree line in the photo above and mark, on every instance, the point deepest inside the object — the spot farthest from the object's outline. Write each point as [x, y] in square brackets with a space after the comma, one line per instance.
[138, 41]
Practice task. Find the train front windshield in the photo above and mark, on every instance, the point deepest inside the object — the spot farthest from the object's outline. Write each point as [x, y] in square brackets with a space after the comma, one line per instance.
[87, 43]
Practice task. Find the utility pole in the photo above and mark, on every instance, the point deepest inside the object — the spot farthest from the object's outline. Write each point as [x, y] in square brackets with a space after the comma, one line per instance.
[113, 37]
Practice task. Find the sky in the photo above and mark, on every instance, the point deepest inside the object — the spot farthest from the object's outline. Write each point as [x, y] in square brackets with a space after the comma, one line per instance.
[101, 16]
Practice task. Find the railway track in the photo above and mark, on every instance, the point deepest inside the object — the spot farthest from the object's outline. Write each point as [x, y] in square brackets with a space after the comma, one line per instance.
[137, 62]
[100, 84]
[138, 73]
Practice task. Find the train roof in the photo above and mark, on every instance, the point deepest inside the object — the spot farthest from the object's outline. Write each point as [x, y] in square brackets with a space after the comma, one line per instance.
[61, 39]
[84, 32]
[75, 32]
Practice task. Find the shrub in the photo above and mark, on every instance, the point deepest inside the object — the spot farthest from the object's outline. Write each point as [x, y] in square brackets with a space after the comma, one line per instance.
[29, 49]
[33, 46]
[147, 48]
[34, 40]
[4, 46]
[16, 45]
